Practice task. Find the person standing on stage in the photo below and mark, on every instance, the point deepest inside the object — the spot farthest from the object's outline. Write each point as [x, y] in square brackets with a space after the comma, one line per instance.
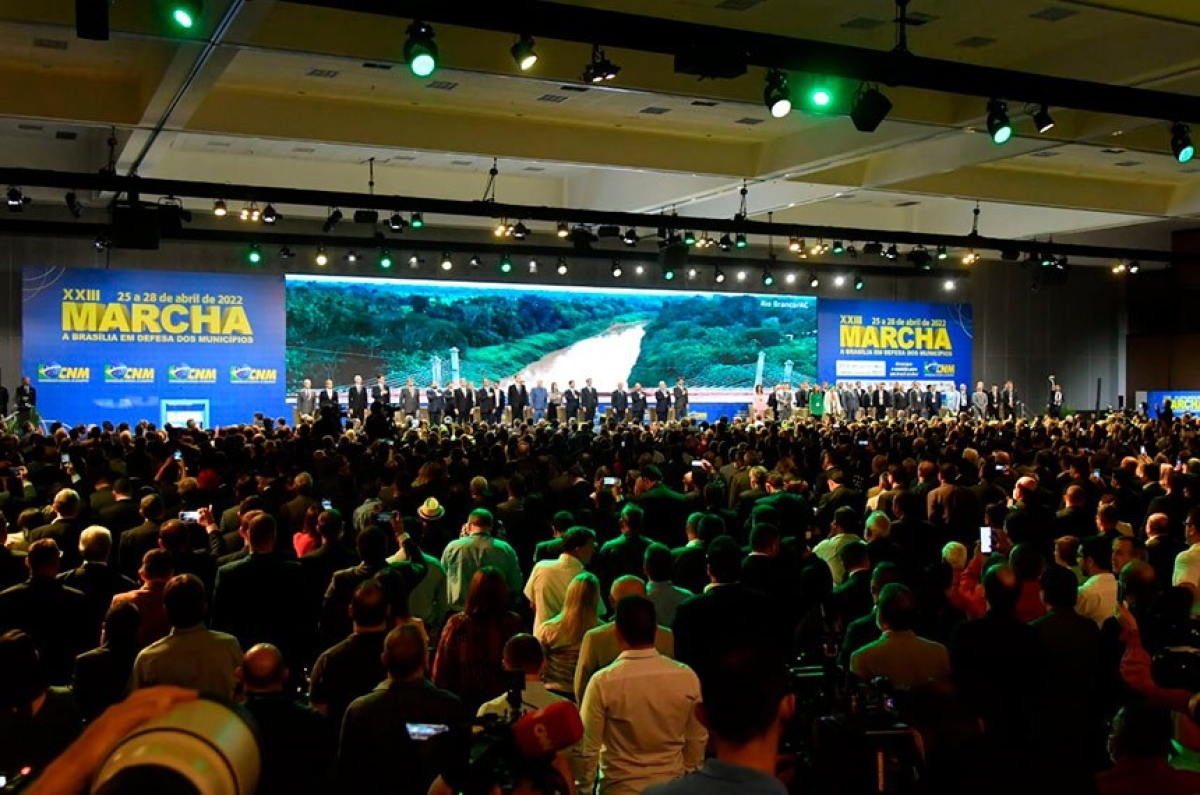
[662, 401]
[538, 400]
[410, 399]
[26, 400]
[555, 401]
[381, 396]
[329, 406]
[833, 403]
[485, 399]
[1008, 401]
[816, 402]
[518, 398]
[589, 399]
[637, 403]
[964, 400]
[436, 403]
[785, 399]
[679, 395]
[306, 400]
[994, 402]
[464, 401]
[449, 404]
[758, 404]
[620, 402]
[1055, 407]
[356, 401]
[979, 402]
[571, 402]
[951, 402]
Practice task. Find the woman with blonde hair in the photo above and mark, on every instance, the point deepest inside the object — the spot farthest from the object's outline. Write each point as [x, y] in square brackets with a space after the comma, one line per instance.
[562, 636]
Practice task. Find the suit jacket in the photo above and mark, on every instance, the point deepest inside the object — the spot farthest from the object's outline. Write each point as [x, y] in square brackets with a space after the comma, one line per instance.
[55, 616]
[518, 398]
[485, 398]
[852, 599]
[381, 394]
[306, 402]
[66, 533]
[99, 582]
[690, 567]
[1078, 522]
[662, 400]
[1000, 670]
[410, 399]
[680, 397]
[200, 564]
[356, 400]
[262, 599]
[589, 398]
[320, 565]
[637, 400]
[620, 556]
[335, 616]
[135, 544]
[570, 399]
[736, 609]
[25, 397]
[101, 678]
[906, 660]
[329, 400]
[119, 516]
[664, 513]
[620, 401]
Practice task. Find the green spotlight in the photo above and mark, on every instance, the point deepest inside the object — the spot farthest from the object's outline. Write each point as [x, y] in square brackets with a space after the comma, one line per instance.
[506, 265]
[420, 50]
[254, 254]
[185, 12]
[821, 97]
[385, 258]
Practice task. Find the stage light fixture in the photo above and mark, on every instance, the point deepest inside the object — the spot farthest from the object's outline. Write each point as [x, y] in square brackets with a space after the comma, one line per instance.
[254, 254]
[668, 273]
[1118, 267]
[73, 205]
[322, 259]
[414, 261]
[219, 208]
[269, 214]
[562, 266]
[185, 13]
[790, 278]
[689, 238]
[335, 218]
[564, 229]
[814, 281]
[506, 265]
[15, 199]
[533, 266]
[447, 262]
[725, 243]
[820, 96]
[893, 253]
[794, 244]
[600, 68]
[1134, 266]
[741, 276]
[639, 269]
[1043, 120]
[838, 248]
[352, 257]
[839, 281]
[869, 109]
[1181, 142]
[739, 241]
[523, 53]
[520, 231]
[630, 238]
[942, 252]
[998, 124]
[692, 272]
[919, 258]
[617, 270]
[970, 258]
[858, 283]
[873, 249]
[474, 262]
[501, 229]
[775, 94]
[817, 248]
[396, 223]
[101, 242]
[420, 50]
[417, 221]
[768, 278]
[286, 253]
[245, 213]
[719, 275]
[949, 285]
[385, 259]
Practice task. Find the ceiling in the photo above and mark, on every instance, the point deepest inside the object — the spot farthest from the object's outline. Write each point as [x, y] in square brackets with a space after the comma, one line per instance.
[277, 93]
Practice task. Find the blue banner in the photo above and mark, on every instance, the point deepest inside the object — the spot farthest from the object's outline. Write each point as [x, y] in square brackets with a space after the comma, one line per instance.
[165, 347]
[1182, 400]
[873, 341]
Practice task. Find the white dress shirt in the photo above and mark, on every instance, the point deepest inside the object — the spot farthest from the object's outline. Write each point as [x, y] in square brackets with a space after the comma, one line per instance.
[642, 711]
[1098, 597]
[535, 696]
[828, 551]
[547, 586]
[1187, 572]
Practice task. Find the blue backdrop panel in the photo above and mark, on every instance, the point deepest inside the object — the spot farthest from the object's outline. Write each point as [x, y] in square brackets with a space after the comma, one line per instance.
[132, 345]
[1182, 400]
[905, 341]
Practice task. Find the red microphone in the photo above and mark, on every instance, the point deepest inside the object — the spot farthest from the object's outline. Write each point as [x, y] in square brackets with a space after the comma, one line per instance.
[548, 730]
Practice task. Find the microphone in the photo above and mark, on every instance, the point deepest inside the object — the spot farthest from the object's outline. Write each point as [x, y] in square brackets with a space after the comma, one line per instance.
[548, 730]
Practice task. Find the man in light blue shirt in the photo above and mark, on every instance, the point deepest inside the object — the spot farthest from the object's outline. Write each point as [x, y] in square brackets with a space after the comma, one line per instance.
[666, 596]
[537, 401]
[476, 549]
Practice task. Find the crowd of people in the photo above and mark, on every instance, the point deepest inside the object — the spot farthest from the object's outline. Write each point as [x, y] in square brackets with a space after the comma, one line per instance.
[365, 593]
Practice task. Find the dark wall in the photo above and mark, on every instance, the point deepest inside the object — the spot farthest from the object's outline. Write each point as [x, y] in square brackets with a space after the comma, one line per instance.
[1164, 326]
[1073, 331]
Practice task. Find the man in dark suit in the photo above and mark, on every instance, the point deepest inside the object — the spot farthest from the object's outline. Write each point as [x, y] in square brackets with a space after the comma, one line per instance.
[122, 514]
[65, 527]
[101, 676]
[763, 570]
[852, 599]
[747, 499]
[410, 399]
[485, 399]
[329, 404]
[55, 616]
[262, 599]
[464, 401]
[1030, 521]
[689, 567]
[838, 496]
[793, 510]
[1008, 401]
[335, 608]
[306, 400]
[1172, 502]
[637, 404]
[449, 404]
[1075, 519]
[137, 541]
[590, 400]
[518, 398]
[26, 400]
[292, 512]
[94, 578]
[739, 611]
[571, 401]
[662, 401]
[356, 399]
[433, 397]
[679, 395]
[619, 400]
[173, 537]
[881, 401]
[381, 396]
[101, 496]
[625, 554]
[662, 505]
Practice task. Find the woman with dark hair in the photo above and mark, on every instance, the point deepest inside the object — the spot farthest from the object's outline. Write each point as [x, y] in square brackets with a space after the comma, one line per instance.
[469, 659]
[309, 538]
[758, 406]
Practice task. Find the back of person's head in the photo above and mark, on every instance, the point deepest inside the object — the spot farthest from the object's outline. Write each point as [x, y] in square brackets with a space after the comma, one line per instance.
[652, 473]
[262, 668]
[1060, 588]
[173, 536]
[878, 525]
[487, 593]
[157, 565]
[43, 558]
[1098, 549]
[261, 533]
[955, 553]
[846, 519]
[884, 574]
[329, 525]
[405, 652]
[854, 556]
[897, 607]
[764, 538]
[24, 678]
[1138, 580]
[372, 545]
[995, 514]
[185, 601]
[1076, 497]
[1141, 729]
[369, 606]
[1107, 516]
[626, 585]
[709, 526]
[121, 624]
[1026, 561]
[577, 538]
[744, 689]
[95, 544]
[658, 563]
[724, 559]
[523, 652]
[562, 522]
[480, 518]
[637, 621]
[151, 507]
[1000, 589]
[632, 518]
[67, 503]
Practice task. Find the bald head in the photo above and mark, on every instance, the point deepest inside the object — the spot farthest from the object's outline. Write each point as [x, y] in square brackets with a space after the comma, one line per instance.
[262, 669]
[1026, 488]
[1076, 497]
[1157, 524]
[627, 585]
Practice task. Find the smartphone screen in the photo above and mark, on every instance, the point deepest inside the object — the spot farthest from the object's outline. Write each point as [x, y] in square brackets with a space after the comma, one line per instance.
[985, 540]
[698, 464]
[609, 481]
[189, 516]
[1143, 449]
[425, 731]
[384, 517]
[178, 455]
[64, 458]
[326, 504]
[862, 442]
[1096, 474]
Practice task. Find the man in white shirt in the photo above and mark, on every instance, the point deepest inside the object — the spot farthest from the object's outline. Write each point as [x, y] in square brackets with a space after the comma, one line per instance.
[641, 710]
[476, 549]
[547, 586]
[1098, 594]
[523, 653]
[1187, 562]
[841, 533]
